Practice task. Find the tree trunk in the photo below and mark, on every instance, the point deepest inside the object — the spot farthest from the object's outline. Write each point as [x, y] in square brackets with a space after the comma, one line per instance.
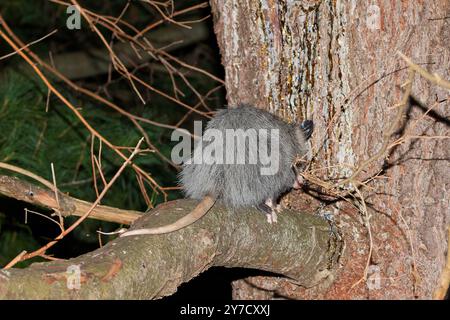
[336, 62]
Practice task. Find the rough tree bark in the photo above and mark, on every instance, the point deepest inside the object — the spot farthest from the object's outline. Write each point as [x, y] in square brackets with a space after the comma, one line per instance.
[150, 267]
[303, 247]
[335, 62]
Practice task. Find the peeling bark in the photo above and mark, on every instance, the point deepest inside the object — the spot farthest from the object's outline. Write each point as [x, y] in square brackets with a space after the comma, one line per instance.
[299, 246]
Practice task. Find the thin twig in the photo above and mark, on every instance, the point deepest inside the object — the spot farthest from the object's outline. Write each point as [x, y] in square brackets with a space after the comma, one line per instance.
[43, 216]
[17, 259]
[434, 78]
[28, 45]
[55, 190]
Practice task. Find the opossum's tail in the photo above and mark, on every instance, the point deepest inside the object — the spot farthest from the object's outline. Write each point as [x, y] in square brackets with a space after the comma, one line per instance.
[199, 211]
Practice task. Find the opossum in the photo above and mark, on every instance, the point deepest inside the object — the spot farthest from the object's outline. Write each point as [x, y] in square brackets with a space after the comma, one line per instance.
[240, 184]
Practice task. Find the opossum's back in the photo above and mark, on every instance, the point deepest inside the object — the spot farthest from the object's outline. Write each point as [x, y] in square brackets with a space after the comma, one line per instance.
[244, 117]
[243, 184]
[199, 180]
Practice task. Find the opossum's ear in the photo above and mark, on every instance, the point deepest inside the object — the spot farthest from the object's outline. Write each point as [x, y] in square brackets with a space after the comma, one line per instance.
[308, 127]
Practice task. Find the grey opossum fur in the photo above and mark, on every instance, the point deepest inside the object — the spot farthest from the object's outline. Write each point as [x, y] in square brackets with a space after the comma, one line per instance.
[241, 185]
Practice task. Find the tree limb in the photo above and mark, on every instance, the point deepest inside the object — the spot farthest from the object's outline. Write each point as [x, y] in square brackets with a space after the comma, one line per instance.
[15, 188]
[299, 246]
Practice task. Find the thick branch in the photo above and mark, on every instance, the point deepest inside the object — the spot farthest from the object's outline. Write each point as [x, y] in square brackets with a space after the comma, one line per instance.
[299, 246]
[15, 188]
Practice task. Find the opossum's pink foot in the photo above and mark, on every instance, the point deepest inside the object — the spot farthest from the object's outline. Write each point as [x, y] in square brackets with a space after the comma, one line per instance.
[272, 217]
[268, 210]
[275, 207]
